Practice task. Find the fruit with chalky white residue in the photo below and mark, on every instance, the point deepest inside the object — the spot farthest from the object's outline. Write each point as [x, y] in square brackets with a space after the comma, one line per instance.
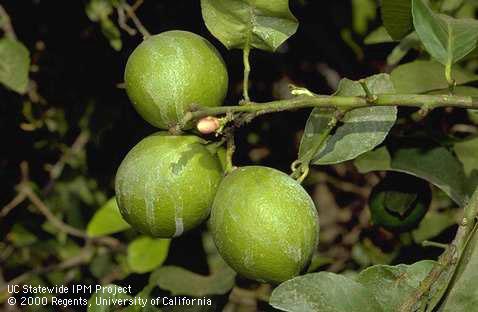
[166, 184]
[173, 72]
[264, 224]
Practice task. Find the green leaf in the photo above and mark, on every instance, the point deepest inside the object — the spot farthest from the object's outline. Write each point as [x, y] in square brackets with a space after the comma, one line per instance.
[451, 5]
[361, 129]
[467, 153]
[146, 253]
[107, 220]
[97, 10]
[433, 224]
[426, 76]
[113, 294]
[112, 33]
[446, 39]
[406, 44]
[317, 129]
[180, 281]
[101, 265]
[436, 165]
[19, 236]
[262, 24]
[318, 261]
[379, 35]
[391, 284]
[363, 11]
[183, 282]
[14, 65]
[397, 17]
[366, 253]
[324, 292]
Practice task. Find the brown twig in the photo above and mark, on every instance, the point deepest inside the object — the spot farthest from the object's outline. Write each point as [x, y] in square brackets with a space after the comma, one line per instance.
[20, 197]
[40, 205]
[78, 145]
[137, 23]
[24, 190]
[122, 22]
[136, 5]
[14, 203]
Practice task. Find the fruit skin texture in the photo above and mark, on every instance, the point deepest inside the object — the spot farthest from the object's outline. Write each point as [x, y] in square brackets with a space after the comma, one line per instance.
[399, 202]
[170, 72]
[166, 184]
[264, 224]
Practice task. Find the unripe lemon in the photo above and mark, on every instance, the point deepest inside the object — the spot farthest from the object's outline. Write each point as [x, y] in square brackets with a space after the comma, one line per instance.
[166, 184]
[169, 73]
[264, 224]
[399, 202]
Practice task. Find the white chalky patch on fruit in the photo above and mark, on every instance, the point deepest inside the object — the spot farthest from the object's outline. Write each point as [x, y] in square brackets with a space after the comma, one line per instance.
[234, 215]
[179, 227]
[150, 198]
[248, 259]
[182, 83]
[294, 253]
[152, 187]
[178, 215]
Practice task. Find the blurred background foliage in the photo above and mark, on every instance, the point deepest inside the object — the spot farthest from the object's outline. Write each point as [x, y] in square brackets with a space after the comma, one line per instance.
[66, 124]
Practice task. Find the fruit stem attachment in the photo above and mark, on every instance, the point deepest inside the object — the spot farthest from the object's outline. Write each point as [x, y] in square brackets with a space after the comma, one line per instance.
[449, 78]
[230, 148]
[300, 167]
[247, 69]
[369, 95]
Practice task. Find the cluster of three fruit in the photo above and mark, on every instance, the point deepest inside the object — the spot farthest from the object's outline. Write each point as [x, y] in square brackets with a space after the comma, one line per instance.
[264, 223]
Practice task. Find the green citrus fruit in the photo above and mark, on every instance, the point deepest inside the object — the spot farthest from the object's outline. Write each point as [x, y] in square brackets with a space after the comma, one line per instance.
[166, 184]
[399, 202]
[264, 224]
[169, 73]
